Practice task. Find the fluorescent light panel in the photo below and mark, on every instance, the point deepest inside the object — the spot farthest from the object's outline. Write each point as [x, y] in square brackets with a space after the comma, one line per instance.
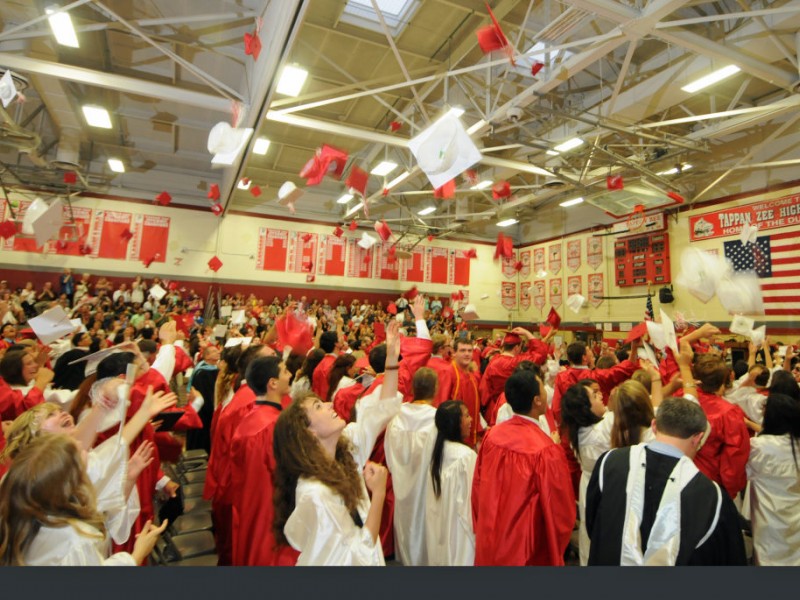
[291, 81]
[354, 209]
[507, 222]
[399, 179]
[261, 146]
[116, 165]
[711, 79]
[482, 185]
[344, 199]
[426, 211]
[674, 170]
[569, 145]
[61, 24]
[97, 116]
[572, 202]
[384, 168]
[552, 153]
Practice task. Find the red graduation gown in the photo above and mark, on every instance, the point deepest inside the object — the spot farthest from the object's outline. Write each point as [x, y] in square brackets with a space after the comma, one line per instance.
[345, 400]
[319, 380]
[414, 352]
[252, 468]
[523, 506]
[466, 389]
[444, 372]
[13, 403]
[723, 458]
[500, 368]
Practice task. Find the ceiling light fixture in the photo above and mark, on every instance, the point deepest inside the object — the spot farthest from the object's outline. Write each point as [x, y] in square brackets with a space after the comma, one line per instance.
[507, 222]
[384, 168]
[344, 199]
[116, 165]
[399, 179]
[482, 185]
[261, 146]
[97, 116]
[572, 202]
[291, 81]
[711, 79]
[552, 153]
[354, 209]
[569, 145]
[675, 170]
[426, 211]
[61, 24]
[456, 111]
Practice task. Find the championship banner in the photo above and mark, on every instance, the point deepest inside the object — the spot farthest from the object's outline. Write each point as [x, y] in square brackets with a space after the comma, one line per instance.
[525, 295]
[150, 238]
[574, 285]
[508, 296]
[555, 258]
[539, 296]
[20, 242]
[459, 268]
[386, 266]
[771, 214]
[595, 285]
[510, 266]
[330, 260]
[413, 269]
[359, 261]
[525, 259]
[556, 292]
[594, 251]
[574, 254]
[107, 239]
[273, 248]
[538, 261]
[73, 234]
[302, 252]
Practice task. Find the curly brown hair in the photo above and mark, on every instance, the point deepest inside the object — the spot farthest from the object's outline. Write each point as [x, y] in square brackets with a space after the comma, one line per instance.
[47, 485]
[298, 453]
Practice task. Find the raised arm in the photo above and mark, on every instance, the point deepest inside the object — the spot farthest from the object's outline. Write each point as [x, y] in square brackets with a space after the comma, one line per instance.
[418, 310]
[153, 404]
[390, 378]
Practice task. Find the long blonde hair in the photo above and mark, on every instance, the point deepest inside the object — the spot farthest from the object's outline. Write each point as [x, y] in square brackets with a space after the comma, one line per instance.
[26, 428]
[47, 485]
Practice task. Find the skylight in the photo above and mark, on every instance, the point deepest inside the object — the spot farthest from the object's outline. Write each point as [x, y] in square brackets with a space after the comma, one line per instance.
[396, 13]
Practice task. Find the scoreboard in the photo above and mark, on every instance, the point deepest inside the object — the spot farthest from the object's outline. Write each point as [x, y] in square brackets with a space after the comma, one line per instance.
[642, 259]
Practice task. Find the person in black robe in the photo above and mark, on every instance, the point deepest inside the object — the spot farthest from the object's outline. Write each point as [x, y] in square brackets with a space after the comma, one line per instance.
[204, 380]
[709, 531]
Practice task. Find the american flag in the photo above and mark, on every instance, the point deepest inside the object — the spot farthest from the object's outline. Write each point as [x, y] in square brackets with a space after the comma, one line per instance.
[777, 259]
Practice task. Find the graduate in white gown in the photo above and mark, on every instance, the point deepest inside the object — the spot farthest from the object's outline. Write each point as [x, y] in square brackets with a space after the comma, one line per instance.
[775, 484]
[450, 538]
[409, 445]
[321, 505]
[48, 511]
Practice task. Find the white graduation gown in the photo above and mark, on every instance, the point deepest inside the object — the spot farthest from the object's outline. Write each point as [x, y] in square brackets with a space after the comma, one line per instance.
[448, 519]
[593, 441]
[68, 547]
[409, 441]
[320, 527]
[774, 500]
[750, 401]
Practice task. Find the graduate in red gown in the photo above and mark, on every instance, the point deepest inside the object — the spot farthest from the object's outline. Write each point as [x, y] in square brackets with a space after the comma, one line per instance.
[502, 366]
[441, 362]
[218, 477]
[523, 506]
[331, 343]
[466, 385]
[253, 467]
[343, 389]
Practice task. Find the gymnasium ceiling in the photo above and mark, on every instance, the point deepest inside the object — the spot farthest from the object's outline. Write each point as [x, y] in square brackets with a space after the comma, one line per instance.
[612, 72]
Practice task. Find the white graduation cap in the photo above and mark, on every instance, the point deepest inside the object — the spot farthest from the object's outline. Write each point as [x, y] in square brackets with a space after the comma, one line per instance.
[647, 353]
[158, 292]
[8, 91]
[226, 142]
[758, 335]
[740, 293]
[656, 333]
[669, 332]
[484, 296]
[237, 317]
[575, 302]
[470, 313]
[220, 331]
[238, 341]
[289, 193]
[742, 325]
[700, 273]
[366, 241]
[444, 150]
[48, 223]
[79, 326]
[51, 325]
[748, 234]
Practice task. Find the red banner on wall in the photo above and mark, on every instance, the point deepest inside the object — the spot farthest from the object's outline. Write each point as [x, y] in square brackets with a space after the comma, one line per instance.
[525, 295]
[150, 238]
[75, 233]
[460, 264]
[386, 266]
[273, 247]
[413, 269]
[538, 262]
[107, 234]
[359, 261]
[594, 251]
[18, 242]
[525, 259]
[330, 259]
[508, 295]
[769, 214]
[510, 266]
[539, 295]
[555, 258]
[556, 292]
[574, 285]
[595, 285]
[436, 265]
[302, 251]
[574, 254]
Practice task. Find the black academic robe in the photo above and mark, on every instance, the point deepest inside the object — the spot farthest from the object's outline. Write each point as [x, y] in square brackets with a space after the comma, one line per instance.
[204, 382]
[605, 513]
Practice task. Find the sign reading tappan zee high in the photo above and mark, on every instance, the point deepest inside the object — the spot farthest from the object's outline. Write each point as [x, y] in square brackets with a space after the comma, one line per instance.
[769, 214]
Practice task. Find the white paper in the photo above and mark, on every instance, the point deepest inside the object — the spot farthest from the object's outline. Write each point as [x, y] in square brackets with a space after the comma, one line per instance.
[646, 352]
[669, 332]
[742, 325]
[366, 241]
[238, 341]
[758, 335]
[225, 311]
[575, 302]
[8, 91]
[444, 150]
[48, 224]
[79, 326]
[748, 234]
[51, 325]
[158, 292]
[220, 331]
[656, 333]
[237, 317]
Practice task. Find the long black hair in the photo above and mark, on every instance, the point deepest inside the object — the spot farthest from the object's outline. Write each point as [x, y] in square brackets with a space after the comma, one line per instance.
[782, 416]
[448, 429]
[576, 412]
[783, 383]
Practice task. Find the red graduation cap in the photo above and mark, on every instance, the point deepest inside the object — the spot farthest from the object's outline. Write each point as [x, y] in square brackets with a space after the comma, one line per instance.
[294, 332]
[306, 237]
[472, 253]
[411, 294]
[392, 251]
[501, 189]
[430, 237]
[357, 180]
[7, 229]
[676, 196]
[471, 175]
[447, 312]
[215, 264]
[536, 67]
[553, 318]
[385, 192]
[456, 296]
[338, 231]
[518, 266]
[395, 125]
[391, 308]
[163, 199]
[252, 44]
[639, 331]
[353, 225]
[504, 247]
[126, 235]
[307, 266]
[448, 190]
[61, 244]
[615, 182]
[213, 192]
[173, 285]
[255, 191]
[85, 249]
[383, 230]
[216, 208]
[70, 177]
[327, 160]
[511, 338]
[148, 261]
[491, 37]
[310, 278]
